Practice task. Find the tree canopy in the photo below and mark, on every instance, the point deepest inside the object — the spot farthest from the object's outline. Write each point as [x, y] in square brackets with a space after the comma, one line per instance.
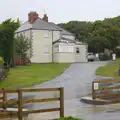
[22, 45]
[99, 35]
[7, 29]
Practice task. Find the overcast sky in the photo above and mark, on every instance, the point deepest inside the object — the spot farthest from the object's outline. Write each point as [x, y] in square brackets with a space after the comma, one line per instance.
[60, 10]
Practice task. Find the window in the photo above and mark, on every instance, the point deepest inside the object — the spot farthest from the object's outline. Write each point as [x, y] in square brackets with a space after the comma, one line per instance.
[77, 50]
[46, 50]
[68, 49]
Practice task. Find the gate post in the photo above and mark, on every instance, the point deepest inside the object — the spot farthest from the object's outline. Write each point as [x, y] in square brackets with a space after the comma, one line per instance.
[93, 91]
[19, 104]
[4, 99]
[61, 102]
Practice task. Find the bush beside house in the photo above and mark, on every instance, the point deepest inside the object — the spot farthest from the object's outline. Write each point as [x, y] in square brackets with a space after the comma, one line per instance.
[104, 57]
[117, 52]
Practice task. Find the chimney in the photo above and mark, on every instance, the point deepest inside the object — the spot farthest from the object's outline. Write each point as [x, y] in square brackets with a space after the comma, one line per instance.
[45, 18]
[32, 16]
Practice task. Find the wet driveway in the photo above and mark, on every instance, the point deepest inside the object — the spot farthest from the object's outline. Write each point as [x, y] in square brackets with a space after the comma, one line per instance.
[76, 81]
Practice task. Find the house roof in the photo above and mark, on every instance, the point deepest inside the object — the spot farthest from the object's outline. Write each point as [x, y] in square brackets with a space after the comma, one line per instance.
[64, 40]
[64, 32]
[80, 43]
[38, 24]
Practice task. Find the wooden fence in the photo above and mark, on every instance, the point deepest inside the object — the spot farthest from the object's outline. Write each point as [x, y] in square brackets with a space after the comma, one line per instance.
[20, 102]
[106, 92]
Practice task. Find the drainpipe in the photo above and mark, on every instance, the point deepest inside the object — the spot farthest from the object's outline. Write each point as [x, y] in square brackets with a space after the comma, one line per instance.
[52, 47]
[13, 53]
[31, 43]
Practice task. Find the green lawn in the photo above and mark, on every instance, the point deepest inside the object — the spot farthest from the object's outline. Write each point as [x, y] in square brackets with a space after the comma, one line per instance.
[25, 76]
[109, 70]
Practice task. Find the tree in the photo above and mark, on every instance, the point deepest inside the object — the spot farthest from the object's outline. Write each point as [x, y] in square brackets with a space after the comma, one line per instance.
[7, 29]
[22, 45]
[113, 35]
[99, 35]
[81, 29]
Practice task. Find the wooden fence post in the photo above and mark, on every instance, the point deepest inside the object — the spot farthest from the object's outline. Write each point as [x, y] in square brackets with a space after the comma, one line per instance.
[61, 102]
[19, 104]
[93, 92]
[4, 99]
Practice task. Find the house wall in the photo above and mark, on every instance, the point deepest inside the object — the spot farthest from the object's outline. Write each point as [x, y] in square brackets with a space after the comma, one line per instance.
[42, 46]
[27, 34]
[56, 52]
[66, 58]
[69, 37]
[81, 57]
[63, 56]
[56, 57]
[56, 35]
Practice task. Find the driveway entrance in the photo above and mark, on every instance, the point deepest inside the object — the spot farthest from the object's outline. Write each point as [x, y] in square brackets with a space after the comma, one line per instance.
[77, 81]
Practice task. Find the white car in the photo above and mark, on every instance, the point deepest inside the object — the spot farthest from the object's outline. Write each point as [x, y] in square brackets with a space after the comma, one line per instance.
[90, 57]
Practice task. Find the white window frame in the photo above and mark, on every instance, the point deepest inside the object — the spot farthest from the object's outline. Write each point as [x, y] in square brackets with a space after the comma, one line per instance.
[66, 49]
[46, 50]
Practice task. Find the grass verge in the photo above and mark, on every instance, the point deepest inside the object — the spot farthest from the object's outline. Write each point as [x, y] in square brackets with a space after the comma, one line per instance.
[110, 70]
[26, 76]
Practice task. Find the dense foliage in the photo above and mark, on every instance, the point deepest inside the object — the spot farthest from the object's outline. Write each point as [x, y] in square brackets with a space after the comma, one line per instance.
[7, 29]
[22, 44]
[1, 60]
[99, 34]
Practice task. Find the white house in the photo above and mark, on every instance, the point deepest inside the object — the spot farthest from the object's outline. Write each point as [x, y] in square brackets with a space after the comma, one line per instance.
[50, 43]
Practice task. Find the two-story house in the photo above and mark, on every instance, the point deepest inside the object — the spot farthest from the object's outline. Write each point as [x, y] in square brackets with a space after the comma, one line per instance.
[50, 43]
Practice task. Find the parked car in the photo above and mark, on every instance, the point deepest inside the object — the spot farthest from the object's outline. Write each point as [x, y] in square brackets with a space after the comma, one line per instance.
[90, 57]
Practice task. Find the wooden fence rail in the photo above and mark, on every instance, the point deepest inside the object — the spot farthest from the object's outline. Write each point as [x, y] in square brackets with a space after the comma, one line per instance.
[20, 102]
[105, 92]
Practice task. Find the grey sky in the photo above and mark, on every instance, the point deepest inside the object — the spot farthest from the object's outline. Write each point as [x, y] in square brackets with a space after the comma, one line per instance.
[60, 10]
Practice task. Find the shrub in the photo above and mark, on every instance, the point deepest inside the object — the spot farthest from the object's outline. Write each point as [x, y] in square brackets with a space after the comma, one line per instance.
[69, 118]
[117, 52]
[2, 72]
[104, 57]
[1, 60]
